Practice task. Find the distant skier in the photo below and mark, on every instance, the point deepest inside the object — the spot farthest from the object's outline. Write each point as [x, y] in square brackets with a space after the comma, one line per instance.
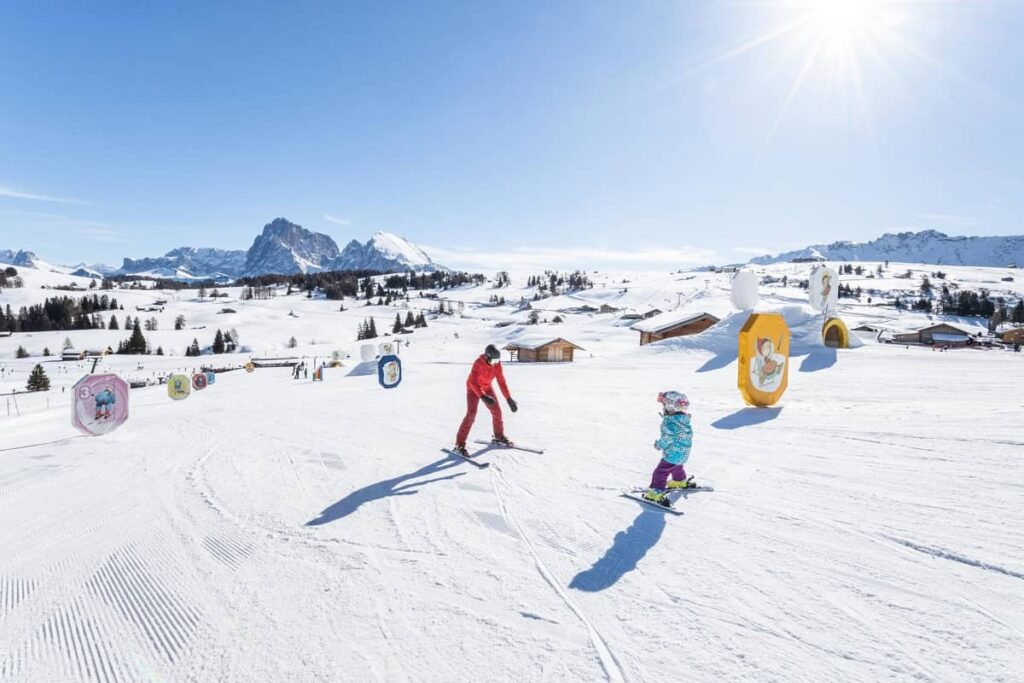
[675, 443]
[486, 369]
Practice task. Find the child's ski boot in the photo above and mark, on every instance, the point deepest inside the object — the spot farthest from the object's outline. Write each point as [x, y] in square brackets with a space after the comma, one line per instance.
[688, 484]
[502, 441]
[461, 450]
[658, 497]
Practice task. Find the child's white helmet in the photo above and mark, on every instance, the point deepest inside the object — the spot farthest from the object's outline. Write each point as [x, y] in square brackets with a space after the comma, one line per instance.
[674, 401]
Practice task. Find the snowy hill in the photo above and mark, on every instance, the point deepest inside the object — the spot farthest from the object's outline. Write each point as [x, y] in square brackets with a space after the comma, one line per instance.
[267, 528]
[386, 253]
[189, 263]
[284, 247]
[927, 246]
[281, 248]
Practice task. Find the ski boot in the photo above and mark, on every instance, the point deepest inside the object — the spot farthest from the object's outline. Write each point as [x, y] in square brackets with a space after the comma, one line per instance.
[689, 483]
[502, 441]
[461, 450]
[658, 497]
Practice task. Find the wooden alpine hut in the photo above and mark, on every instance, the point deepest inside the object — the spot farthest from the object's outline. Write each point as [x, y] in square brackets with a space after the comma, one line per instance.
[673, 324]
[549, 350]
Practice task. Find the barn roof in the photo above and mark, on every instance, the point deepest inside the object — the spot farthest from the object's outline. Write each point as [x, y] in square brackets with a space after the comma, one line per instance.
[535, 343]
[667, 321]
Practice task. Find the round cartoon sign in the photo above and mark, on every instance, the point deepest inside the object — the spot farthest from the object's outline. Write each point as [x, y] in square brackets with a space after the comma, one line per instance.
[823, 289]
[389, 371]
[250, 366]
[210, 378]
[178, 387]
[199, 381]
[99, 404]
[763, 359]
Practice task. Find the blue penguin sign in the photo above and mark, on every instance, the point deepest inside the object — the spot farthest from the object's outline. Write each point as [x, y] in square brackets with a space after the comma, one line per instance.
[389, 371]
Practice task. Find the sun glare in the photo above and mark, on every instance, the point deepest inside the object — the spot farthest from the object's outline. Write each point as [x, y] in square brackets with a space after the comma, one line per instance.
[836, 48]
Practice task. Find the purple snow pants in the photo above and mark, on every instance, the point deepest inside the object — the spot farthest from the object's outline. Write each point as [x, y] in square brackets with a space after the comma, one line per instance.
[662, 472]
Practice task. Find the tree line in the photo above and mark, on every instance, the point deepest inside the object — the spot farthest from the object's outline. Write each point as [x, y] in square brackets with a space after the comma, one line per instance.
[59, 313]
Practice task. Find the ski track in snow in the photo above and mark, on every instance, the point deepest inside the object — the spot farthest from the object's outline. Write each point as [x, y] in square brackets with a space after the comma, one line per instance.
[608, 661]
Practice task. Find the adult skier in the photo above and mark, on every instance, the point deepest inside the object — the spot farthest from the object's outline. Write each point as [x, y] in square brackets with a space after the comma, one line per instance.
[486, 369]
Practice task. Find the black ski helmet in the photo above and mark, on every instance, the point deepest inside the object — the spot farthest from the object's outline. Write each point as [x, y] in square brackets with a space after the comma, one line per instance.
[492, 352]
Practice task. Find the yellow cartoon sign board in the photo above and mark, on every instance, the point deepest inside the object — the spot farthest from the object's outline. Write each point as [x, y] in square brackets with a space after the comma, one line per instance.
[835, 335]
[179, 387]
[763, 359]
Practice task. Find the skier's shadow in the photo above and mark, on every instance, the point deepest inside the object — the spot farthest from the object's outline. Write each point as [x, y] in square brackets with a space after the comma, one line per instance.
[397, 486]
[628, 548]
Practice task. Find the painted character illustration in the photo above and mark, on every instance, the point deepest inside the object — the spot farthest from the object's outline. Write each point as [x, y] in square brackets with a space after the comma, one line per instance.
[826, 288]
[391, 373]
[768, 365]
[105, 401]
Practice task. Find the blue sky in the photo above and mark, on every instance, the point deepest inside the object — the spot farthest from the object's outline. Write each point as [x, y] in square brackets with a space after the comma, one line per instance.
[627, 134]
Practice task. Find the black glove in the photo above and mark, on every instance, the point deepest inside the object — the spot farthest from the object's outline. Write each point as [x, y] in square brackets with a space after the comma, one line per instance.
[489, 400]
[513, 405]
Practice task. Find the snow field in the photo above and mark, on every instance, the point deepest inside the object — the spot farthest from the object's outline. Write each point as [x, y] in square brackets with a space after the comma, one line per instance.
[270, 529]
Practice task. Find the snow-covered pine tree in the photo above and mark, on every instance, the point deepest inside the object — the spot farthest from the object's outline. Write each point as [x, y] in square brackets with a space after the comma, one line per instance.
[37, 379]
[397, 327]
[218, 342]
[112, 325]
[21, 352]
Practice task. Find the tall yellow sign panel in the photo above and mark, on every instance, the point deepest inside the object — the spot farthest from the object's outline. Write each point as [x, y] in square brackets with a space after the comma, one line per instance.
[763, 359]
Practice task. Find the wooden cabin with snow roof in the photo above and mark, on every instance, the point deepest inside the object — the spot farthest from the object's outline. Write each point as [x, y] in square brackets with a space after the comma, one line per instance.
[550, 350]
[673, 324]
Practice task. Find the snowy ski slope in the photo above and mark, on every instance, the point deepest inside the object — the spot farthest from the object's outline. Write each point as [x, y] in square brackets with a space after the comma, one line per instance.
[269, 529]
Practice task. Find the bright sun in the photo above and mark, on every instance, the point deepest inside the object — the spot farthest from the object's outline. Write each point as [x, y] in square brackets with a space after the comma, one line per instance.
[835, 46]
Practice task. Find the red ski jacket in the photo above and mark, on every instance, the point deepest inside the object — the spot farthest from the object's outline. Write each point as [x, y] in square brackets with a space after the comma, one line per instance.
[481, 376]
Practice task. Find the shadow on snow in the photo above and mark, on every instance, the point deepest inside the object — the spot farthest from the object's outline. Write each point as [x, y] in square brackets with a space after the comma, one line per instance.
[397, 486]
[628, 548]
[746, 417]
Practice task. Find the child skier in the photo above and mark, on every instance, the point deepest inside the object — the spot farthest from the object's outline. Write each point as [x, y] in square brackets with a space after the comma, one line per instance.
[675, 443]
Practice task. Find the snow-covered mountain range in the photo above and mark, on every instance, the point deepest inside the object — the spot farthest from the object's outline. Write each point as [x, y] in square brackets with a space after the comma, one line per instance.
[926, 246]
[282, 248]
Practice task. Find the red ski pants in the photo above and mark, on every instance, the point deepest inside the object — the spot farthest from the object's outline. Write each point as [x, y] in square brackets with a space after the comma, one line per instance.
[472, 401]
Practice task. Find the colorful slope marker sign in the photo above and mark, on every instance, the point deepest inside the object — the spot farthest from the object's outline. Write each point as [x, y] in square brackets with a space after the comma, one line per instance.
[763, 359]
[389, 371]
[250, 366]
[199, 381]
[823, 289]
[100, 404]
[211, 378]
[178, 387]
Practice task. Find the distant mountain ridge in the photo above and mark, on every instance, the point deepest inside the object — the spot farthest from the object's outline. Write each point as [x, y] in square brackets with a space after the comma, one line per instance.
[282, 248]
[926, 246]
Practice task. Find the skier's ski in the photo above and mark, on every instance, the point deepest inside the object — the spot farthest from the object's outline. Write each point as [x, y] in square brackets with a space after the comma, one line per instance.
[632, 493]
[515, 446]
[467, 458]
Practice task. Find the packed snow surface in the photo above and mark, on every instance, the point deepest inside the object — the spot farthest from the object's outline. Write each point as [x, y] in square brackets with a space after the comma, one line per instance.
[869, 527]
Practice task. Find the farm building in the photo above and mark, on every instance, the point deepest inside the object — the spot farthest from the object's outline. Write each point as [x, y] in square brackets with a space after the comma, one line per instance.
[673, 324]
[72, 355]
[550, 350]
[942, 334]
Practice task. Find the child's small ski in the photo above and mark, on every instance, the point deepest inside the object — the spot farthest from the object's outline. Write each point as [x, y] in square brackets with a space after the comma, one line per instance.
[515, 446]
[638, 494]
[467, 458]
